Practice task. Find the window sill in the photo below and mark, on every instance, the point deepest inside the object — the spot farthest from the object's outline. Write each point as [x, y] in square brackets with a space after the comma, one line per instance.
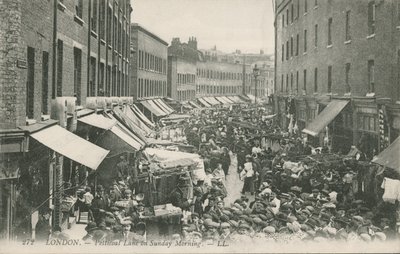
[305, 14]
[94, 34]
[329, 46]
[61, 7]
[371, 36]
[102, 41]
[347, 42]
[305, 53]
[79, 20]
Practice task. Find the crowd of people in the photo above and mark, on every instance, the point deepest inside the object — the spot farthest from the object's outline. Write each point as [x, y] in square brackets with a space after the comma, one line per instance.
[287, 194]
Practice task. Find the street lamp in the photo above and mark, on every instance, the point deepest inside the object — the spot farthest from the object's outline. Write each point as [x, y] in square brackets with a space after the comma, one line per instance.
[256, 73]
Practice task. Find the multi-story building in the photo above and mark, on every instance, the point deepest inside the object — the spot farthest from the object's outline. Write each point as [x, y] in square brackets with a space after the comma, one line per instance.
[57, 57]
[182, 62]
[148, 64]
[344, 54]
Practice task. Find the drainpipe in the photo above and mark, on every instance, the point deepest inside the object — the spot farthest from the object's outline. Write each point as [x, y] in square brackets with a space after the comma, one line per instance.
[53, 75]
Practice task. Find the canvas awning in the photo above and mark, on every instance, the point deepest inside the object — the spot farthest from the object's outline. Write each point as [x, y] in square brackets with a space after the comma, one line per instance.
[128, 111]
[111, 124]
[390, 156]
[325, 117]
[204, 102]
[164, 105]
[213, 101]
[251, 97]
[221, 100]
[153, 108]
[142, 116]
[229, 101]
[236, 99]
[71, 146]
[129, 123]
[194, 104]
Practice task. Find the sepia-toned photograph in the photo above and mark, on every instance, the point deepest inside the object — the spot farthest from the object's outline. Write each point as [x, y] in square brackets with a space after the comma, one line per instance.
[199, 126]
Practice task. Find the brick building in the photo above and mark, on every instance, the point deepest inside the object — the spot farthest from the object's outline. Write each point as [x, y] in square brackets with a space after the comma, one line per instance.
[149, 64]
[330, 51]
[57, 57]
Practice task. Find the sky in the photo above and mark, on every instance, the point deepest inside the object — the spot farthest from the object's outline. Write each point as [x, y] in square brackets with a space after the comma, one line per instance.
[246, 25]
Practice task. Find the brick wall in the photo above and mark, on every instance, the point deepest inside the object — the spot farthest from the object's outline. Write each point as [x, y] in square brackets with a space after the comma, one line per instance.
[382, 48]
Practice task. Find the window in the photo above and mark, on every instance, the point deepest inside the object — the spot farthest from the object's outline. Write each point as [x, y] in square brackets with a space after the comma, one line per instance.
[287, 83]
[329, 79]
[297, 81]
[60, 54]
[291, 82]
[45, 82]
[315, 80]
[282, 83]
[292, 13]
[287, 16]
[305, 80]
[108, 79]
[291, 46]
[371, 76]
[298, 9]
[316, 35]
[305, 6]
[371, 17]
[348, 35]
[100, 88]
[283, 20]
[287, 50]
[348, 86]
[330, 31]
[102, 19]
[316, 3]
[305, 41]
[30, 83]
[79, 8]
[77, 74]
[297, 44]
[109, 21]
[94, 16]
[91, 88]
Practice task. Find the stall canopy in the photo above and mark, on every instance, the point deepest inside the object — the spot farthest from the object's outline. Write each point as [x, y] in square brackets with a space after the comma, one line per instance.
[220, 100]
[390, 156]
[202, 101]
[213, 101]
[112, 125]
[251, 97]
[325, 117]
[194, 104]
[153, 103]
[142, 116]
[227, 99]
[164, 105]
[129, 122]
[71, 146]
[173, 158]
[128, 111]
[186, 105]
[152, 108]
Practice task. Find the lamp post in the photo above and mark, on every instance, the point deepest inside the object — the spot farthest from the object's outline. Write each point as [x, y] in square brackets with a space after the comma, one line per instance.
[256, 73]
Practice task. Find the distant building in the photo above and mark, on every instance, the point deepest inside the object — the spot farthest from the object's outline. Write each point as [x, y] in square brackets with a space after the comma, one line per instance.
[148, 73]
[328, 51]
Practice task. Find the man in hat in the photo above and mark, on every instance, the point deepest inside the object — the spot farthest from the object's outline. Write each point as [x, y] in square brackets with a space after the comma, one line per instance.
[177, 196]
[86, 202]
[43, 228]
[122, 168]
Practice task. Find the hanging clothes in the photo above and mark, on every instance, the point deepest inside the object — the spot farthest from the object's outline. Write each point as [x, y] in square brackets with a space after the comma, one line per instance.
[392, 190]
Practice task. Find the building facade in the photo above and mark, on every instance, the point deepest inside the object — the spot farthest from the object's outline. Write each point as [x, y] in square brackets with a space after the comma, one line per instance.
[348, 50]
[149, 64]
[58, 57]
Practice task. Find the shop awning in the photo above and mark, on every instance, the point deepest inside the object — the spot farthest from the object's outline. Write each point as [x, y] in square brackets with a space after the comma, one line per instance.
[155, 105]
[142, 117]
[390, 157]
[111, 124]
[129, 123]
[153, 108]
[164, 105]
[71, 146]
[236, 99]
[186, 105]
[128, 111]
[194, 104]
[221, 100]
[229, 101]
[251, 97]
[325, 117]
[212, 100]
[204, 102]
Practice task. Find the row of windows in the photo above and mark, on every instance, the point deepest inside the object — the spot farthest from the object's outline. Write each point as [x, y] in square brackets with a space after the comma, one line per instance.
[186, 78]
[293, 50]
[211, 74]
[347, 30]
[151, 62]
[186, 95]
[293, 13]
[293, 79]
[110, 26]
[208, 89]
[151, 88]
